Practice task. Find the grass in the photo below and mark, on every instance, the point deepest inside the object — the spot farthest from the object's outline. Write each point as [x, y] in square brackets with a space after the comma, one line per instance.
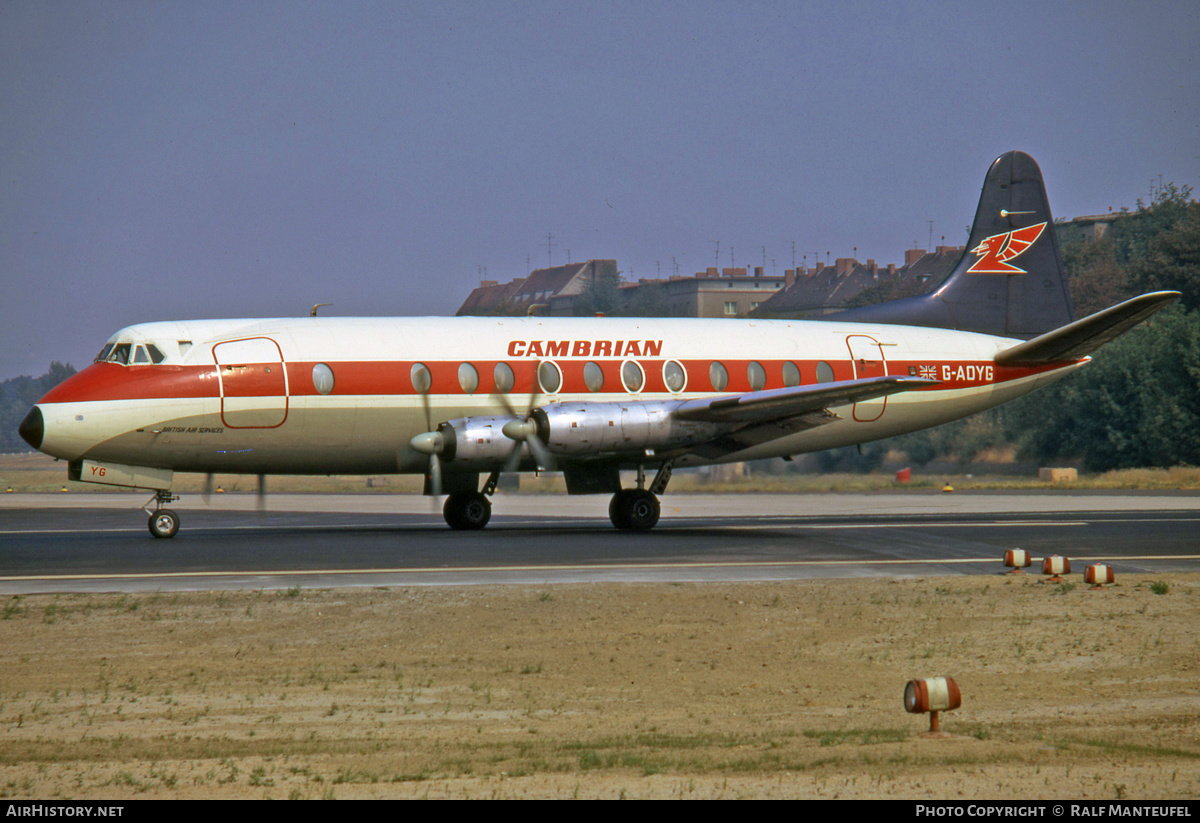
[601, 685]
[37, 473]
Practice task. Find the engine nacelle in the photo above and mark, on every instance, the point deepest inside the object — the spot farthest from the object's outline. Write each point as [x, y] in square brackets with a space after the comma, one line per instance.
[477, 440]
[617, 428]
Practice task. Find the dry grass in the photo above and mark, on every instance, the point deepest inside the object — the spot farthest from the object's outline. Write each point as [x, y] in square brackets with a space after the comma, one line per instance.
[723, 690]
[39, 473]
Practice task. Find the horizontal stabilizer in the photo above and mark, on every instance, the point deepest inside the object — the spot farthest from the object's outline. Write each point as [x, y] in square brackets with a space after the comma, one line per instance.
[1082, 337]
[778, 404]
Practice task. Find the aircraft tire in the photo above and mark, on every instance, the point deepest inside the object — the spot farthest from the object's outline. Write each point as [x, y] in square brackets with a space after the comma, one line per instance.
[634, 510]
[467, 511]
[164, 523]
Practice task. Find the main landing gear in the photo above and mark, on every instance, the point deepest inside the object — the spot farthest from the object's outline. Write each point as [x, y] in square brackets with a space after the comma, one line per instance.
[630, 509]
[634, 510]
[163, 521]
[467, 511]
[638, 509]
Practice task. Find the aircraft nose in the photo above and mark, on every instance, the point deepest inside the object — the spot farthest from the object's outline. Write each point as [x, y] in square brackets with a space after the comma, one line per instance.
[33, 428]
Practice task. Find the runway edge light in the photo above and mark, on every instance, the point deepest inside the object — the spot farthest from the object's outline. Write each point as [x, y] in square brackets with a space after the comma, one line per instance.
[1056, 566]
[1098, 574]
[932, 695]
[1017, 559]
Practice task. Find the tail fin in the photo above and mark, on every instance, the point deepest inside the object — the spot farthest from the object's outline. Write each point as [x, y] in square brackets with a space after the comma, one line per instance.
[1010, 280]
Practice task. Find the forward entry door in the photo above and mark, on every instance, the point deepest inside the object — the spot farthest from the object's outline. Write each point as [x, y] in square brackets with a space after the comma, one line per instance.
[254, 391]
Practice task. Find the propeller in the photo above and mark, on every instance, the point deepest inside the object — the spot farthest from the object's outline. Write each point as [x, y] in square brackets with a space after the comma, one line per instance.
[208, 488]
[262, 493]
[523, 429]
[431, 441]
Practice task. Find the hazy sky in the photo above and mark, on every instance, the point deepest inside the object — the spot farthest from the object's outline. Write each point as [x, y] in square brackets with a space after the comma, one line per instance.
[168, 160]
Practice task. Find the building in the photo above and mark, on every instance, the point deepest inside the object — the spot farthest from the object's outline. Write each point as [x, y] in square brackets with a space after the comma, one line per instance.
[545, 291]
[731, 293]
[728, 292]
[826, 289]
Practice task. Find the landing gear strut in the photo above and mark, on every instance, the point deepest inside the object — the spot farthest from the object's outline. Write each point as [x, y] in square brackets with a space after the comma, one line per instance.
[164, 522]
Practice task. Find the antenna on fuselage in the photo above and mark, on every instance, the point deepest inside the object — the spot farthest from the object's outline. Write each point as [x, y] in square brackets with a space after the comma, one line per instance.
[313, 311]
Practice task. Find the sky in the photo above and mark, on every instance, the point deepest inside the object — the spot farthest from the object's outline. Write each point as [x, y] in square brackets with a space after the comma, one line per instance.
[177, 159]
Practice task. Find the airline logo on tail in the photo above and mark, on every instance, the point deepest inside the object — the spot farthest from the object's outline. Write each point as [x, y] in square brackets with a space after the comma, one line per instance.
[995, 251]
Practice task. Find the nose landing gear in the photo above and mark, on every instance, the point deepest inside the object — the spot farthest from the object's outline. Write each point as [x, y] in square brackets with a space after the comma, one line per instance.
[164, 522]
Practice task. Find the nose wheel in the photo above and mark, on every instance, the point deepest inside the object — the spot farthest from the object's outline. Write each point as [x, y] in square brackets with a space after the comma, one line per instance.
[163, 522]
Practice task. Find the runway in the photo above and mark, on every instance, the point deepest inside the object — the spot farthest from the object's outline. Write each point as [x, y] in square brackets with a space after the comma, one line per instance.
[83, 543]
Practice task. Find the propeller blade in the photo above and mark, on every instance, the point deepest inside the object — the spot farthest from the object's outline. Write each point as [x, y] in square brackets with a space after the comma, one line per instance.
[435, 475]
[514, 459]
[208, 487]
[541, 454]
[262, 492]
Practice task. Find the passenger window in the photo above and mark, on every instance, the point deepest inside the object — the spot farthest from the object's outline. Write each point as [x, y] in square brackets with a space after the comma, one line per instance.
[632, 376]
[322, 377]
[757, 376]
[824, 372]
[718, 376]
[550, 377]
[791, 374]
[503, 375]
[674, 376]
[468, 378]
[422, 380]
[593, 376]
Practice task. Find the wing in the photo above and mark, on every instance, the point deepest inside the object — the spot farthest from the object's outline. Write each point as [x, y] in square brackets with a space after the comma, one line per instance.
[781, 404]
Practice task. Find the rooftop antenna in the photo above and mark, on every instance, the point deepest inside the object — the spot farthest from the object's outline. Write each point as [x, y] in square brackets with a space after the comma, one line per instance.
[930, 222]
[550, 244]
[717, 260]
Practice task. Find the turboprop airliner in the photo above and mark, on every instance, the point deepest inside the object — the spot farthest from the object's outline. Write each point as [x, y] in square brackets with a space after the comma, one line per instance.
[464, 400]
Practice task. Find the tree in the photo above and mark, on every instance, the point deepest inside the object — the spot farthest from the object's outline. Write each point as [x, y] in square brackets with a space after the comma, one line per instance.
[601, 295]
[1136, 405]
[18, 395]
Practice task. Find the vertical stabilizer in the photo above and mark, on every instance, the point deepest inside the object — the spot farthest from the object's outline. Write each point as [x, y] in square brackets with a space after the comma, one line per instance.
[1010, 280]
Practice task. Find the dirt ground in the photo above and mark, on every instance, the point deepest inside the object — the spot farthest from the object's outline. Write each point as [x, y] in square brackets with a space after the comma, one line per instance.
[772, 690]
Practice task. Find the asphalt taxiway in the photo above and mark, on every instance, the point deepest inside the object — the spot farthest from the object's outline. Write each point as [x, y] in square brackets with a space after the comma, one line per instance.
[91, 542]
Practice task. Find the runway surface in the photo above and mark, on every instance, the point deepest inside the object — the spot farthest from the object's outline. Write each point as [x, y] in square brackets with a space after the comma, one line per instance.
[80, 543]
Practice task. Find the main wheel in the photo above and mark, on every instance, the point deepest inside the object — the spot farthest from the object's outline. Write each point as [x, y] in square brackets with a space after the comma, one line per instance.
[634, 509]
[164, 523]
[469, 511]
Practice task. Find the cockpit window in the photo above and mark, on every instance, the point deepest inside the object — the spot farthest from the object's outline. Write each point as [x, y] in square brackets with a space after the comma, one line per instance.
[130, 353]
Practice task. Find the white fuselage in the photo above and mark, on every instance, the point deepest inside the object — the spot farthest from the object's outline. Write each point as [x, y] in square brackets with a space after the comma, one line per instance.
[346, 395]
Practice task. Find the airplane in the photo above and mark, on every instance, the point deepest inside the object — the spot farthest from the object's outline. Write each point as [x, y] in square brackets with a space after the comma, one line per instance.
[456, 399]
